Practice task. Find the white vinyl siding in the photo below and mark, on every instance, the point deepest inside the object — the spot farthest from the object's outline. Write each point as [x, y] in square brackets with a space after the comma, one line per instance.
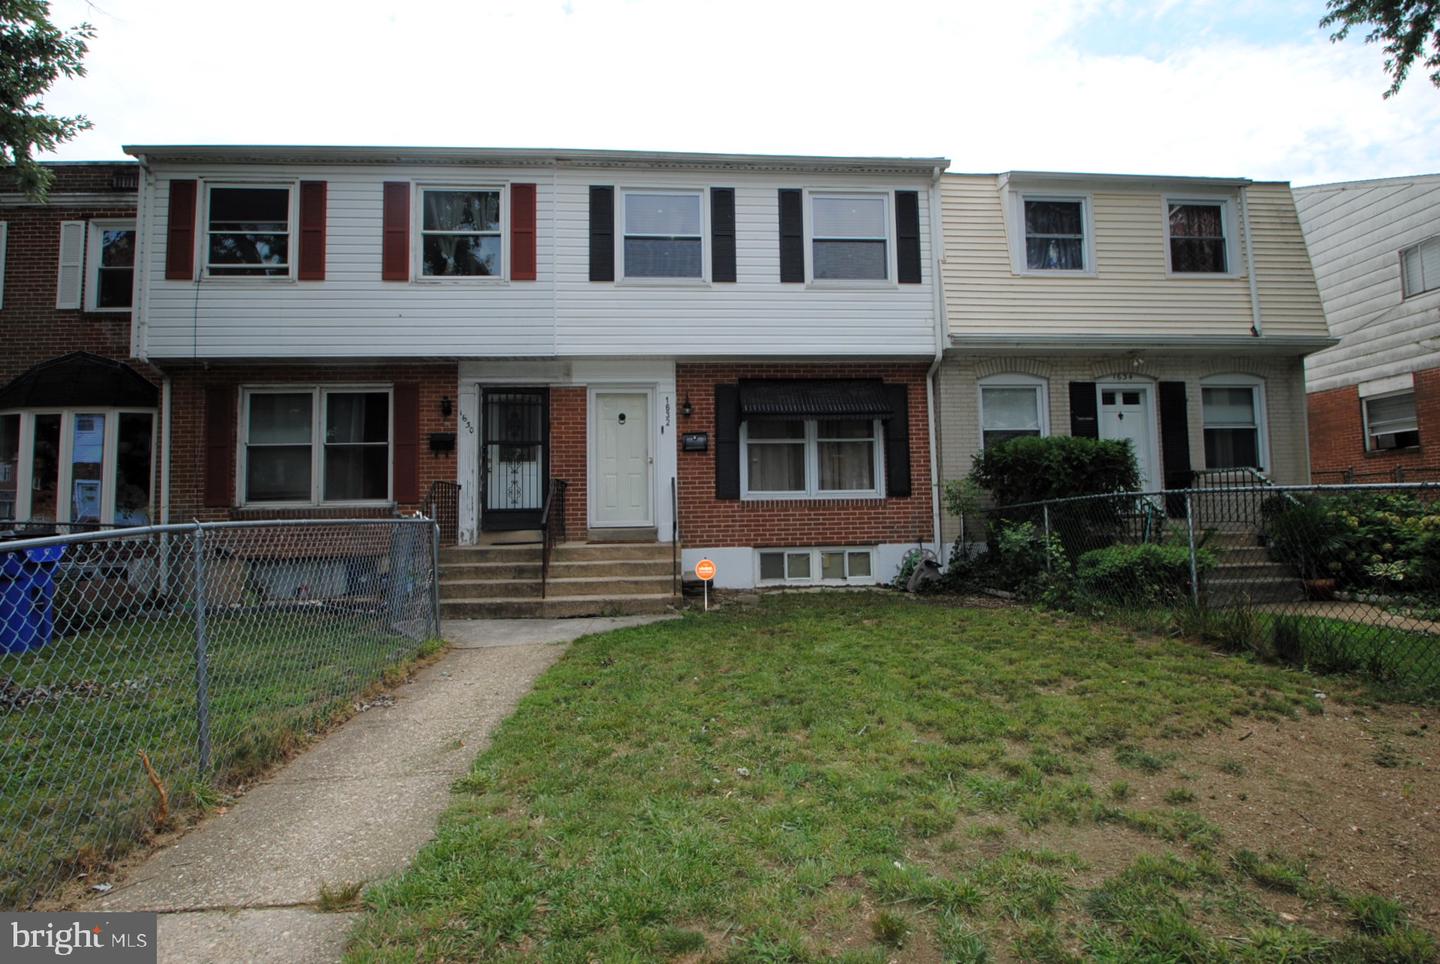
[71, 275]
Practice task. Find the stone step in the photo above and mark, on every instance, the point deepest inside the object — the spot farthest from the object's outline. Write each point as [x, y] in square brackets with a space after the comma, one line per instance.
[557, 607]
[565, 552]
[1240, 554]
[527, 588]
[558, 570]
[1230, 592]
[1263, 570]
[1232, 538]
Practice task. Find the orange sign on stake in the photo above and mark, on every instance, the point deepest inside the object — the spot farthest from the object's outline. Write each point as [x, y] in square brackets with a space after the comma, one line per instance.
[705, 570]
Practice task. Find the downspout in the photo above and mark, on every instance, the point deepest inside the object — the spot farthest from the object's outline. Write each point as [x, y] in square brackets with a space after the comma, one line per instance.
[937, 258]
[165, 407]
[1256, 328]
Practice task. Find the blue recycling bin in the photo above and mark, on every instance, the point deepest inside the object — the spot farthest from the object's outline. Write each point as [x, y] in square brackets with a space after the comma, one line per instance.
[27, 597]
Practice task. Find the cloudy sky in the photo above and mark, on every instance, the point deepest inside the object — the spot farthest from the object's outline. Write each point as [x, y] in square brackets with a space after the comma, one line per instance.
[1218, 87]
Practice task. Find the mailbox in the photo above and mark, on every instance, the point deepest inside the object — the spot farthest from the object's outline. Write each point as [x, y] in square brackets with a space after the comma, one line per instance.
[695, 441]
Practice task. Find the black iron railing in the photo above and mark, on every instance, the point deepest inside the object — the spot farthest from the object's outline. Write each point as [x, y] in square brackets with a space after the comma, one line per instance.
[552, 528]
[674, 537]
[443, 506]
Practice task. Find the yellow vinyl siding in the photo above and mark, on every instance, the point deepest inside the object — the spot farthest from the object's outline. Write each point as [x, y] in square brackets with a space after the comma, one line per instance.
[1289, 297]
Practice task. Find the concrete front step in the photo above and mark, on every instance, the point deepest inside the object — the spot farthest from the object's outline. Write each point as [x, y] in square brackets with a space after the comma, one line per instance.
[1250, 555]
[558, 570]
[565, 552]
[557, 607]
[1263, 570]
[528, 588]
[1231, 592]
[1232, 538]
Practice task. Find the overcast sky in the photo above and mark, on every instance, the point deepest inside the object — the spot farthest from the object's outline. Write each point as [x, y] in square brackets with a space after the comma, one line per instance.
[1208, 87]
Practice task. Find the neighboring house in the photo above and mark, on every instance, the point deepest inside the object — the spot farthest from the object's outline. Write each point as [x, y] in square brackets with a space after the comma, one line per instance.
[78, 416]
[345, 330]
[1375, 397]
[1174, 312]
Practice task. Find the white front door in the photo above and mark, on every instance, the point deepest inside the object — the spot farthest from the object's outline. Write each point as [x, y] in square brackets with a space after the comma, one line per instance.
[622, 460]
[1125, 414]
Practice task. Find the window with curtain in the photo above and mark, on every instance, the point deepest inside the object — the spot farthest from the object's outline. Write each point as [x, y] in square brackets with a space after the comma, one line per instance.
[1010, 411]
[849, 237]
[1420, 267]
[1232, 426]
[1197, 237]
[1055, 234]
[287, 460]
[664, 235]
[1390, 422]
[460, 233]
[816, 457]
[248, 232]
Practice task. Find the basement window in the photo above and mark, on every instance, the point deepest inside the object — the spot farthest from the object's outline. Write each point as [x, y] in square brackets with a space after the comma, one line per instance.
[839, 566]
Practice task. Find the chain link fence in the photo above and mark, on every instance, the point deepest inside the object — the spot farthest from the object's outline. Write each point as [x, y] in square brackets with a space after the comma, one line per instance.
[1335, 578]
[144, 671]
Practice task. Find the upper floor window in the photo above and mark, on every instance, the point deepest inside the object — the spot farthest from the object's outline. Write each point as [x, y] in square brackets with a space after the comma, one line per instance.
[248, 231]
[110, 282]
[1234, 412]
[811, 457]
[1197, 237]
[1390, 422]
[664, 235]
[288, 460]
[1420, 267]
[461, 233]
[850, 237]
[1055, 234]
[1012, 406]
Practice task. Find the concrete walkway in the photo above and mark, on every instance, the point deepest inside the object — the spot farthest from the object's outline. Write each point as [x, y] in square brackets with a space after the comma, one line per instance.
[356, 807]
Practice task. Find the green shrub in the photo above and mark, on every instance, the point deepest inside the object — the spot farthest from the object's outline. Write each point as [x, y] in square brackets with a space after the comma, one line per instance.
[1384, 542]
[1025, 561]
[1139, 575]
[1032, 468]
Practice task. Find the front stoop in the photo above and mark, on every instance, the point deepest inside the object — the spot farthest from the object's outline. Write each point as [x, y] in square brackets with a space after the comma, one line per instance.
[586, 579]
[1244, 572]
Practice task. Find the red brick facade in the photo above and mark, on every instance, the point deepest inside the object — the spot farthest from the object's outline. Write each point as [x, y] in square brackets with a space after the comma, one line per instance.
[569, 454]
[1337, 437]
[708, 521]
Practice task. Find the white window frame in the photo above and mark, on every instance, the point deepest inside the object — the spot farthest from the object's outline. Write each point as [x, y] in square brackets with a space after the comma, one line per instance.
[1365, 420]
[292, 227]
[64, 482]
[1262, 418]
[812, 488]
[1227, 219]
[809, 222]
[815, 578]
[96, 232]
[417, 234]
[318, 394]
[1020, 261]
[704, 277]
[1427, 285]
[1040, 386]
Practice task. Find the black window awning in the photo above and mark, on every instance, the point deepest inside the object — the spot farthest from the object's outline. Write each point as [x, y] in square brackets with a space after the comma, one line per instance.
[79, 379]
[814, 398]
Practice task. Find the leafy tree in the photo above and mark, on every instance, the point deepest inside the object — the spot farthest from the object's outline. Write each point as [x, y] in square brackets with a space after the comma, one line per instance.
[33, 55]
[1409, 29]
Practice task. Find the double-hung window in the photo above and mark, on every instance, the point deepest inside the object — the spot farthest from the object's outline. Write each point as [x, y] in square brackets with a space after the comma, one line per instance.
[461, 233]
[248, 231]
[111, 279]
[1234, 413]
[1197, 237]
[1390, 422]
[850, 237]
[792, 458]
[664, 235]
[1011, 406]
[316, 445]
[1055, 233]
[1420, 267]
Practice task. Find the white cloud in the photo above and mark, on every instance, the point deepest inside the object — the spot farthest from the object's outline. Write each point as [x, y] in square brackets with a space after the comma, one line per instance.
[991, 88]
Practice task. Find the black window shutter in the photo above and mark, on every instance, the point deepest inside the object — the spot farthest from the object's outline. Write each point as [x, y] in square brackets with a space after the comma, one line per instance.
[602, 233]
[1084, 410]
[897, 443]
[727, 441]
[907, 237]
[722, 234]
[792, 236]
[1175, 441]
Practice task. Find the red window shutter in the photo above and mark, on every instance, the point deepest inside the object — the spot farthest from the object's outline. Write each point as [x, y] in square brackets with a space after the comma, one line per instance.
[180, 245]
[407, 443]
[312, 231]
[395, 246]
[219, 445]
[522, 232]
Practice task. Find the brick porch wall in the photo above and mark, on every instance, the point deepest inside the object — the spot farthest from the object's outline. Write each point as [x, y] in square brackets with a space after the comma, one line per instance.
[710, 522]
[569, 454]
[1337, 435]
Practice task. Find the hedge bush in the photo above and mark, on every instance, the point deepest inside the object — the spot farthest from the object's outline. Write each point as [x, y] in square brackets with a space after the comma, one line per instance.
[1032, 469]
[1140, 575]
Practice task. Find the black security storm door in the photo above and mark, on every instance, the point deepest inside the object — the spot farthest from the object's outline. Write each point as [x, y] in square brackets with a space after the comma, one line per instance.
[515, 464]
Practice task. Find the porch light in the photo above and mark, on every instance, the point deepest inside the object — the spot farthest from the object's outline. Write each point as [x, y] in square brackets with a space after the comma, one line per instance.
[687, 409]
[446, 406]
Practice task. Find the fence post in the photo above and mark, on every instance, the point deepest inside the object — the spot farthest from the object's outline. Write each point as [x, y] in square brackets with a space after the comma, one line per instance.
[435, 580]
[1190, 536]
[202, 657]
[1046, 510]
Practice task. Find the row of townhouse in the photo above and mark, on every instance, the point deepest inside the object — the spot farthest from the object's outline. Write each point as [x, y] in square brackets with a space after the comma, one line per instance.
[777, 358]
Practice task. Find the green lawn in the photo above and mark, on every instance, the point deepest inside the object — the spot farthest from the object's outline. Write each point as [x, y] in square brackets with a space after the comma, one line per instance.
[861, 776]
[73, 792]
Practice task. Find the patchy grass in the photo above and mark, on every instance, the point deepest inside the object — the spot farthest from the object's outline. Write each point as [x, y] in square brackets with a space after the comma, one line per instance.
[844, 775]
[73, 792]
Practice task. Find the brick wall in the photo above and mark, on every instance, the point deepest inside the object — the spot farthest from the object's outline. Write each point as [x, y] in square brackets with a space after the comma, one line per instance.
[568, 454]
[33, 329]
[187, 496]
[710, 522]
[1337, 436]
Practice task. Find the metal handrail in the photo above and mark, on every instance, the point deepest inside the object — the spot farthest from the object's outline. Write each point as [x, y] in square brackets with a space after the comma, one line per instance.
[674, 536]
[552, 529]
[442, 504]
